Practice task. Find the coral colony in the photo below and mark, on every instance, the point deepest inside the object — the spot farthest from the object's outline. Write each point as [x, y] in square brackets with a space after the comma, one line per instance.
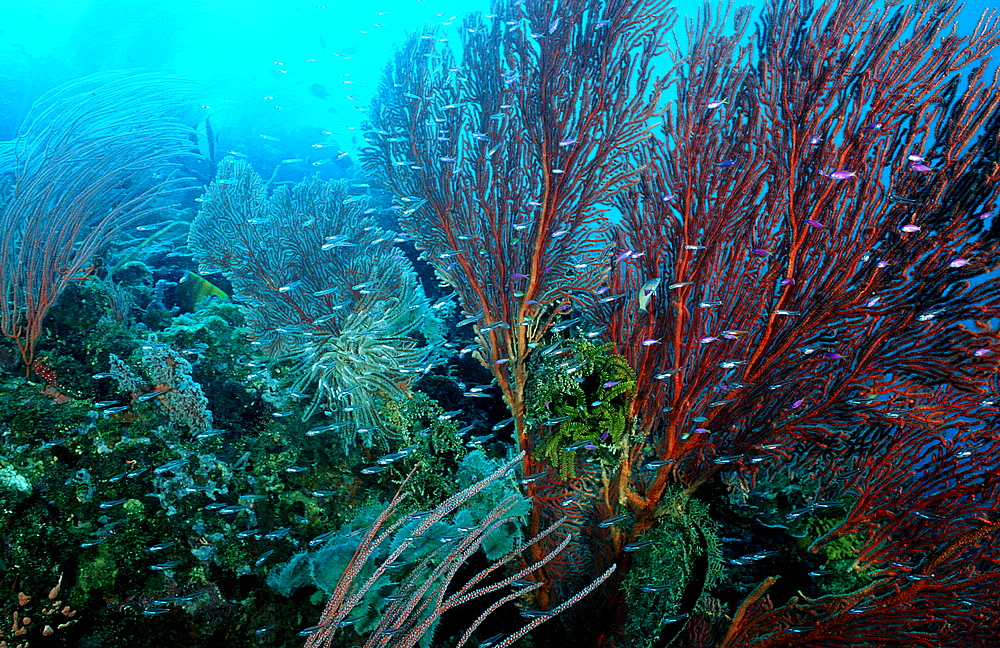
[688, 339]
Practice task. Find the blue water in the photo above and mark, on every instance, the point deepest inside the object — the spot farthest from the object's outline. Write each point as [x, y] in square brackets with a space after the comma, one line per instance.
[279, 67]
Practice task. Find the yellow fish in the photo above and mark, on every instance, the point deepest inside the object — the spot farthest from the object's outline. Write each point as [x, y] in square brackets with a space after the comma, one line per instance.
[192, 288]
[647, 291]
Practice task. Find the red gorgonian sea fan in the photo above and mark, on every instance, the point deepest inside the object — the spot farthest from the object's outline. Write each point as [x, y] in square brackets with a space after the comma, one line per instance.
[801, 278]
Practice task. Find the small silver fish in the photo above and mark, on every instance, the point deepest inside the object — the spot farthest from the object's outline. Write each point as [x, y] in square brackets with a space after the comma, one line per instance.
[478, 440]
[169, 466]
[277, 534]
[390, 458]
[611, 521]
[115, 410]
[161, 546]
[149, 395]
[502, 424]
[155, 611]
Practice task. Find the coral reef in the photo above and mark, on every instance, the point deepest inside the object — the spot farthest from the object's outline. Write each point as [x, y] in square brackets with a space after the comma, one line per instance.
[712, 362]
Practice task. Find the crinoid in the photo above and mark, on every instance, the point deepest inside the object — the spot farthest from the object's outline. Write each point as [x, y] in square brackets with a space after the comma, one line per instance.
[354, 370]
[330, 299]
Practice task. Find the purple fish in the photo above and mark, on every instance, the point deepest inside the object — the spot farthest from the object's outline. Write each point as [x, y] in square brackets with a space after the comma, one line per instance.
[518, 275]
[922, 168]
[815, 140]
[873, 126]
[985, 215]
[503, 361]
[833, 356]
[814, 223]
[761, 252]
[650, 342]
[797, 403]
[725, 164]
[910, 227]
[624, 255]
[558, 233]
[842, 175]
[787, 281]
[567, 142]
[707, 339]
[610, 383]
[958, 263]
[979, 353]
[915, 158]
